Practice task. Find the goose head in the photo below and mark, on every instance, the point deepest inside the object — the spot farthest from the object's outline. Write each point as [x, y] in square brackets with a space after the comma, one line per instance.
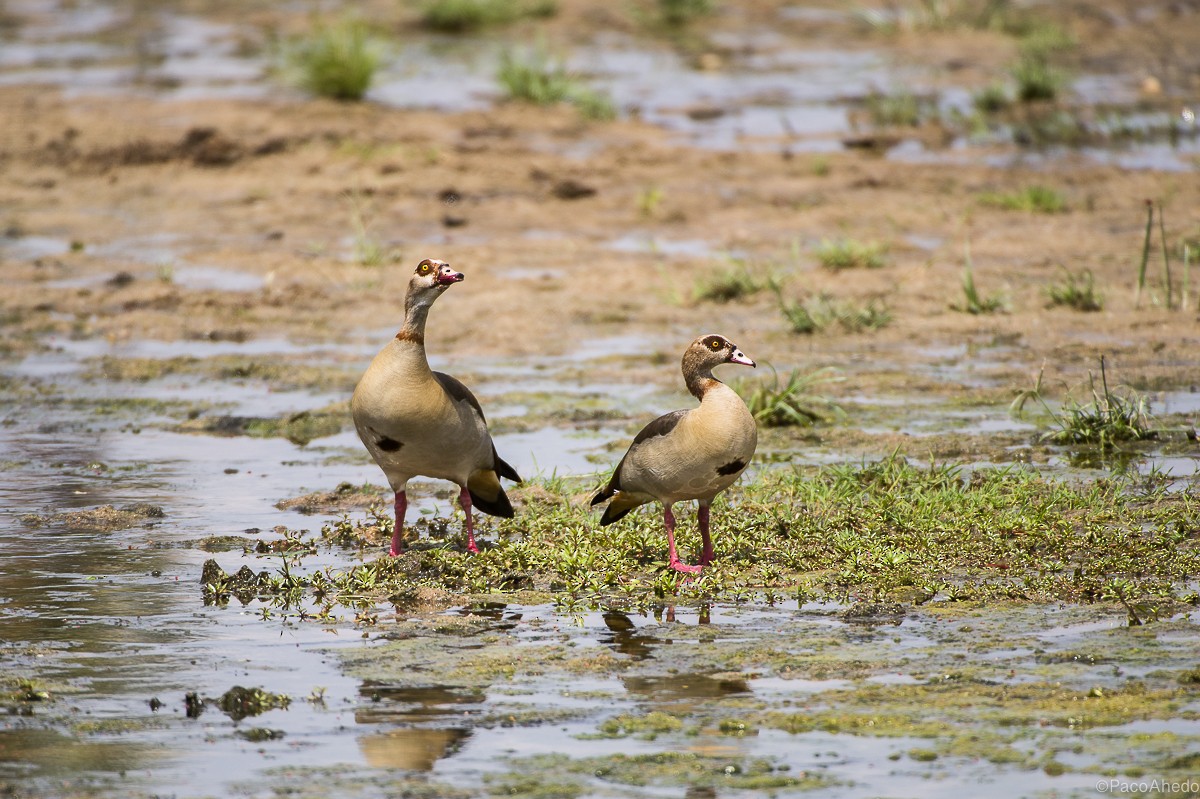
[428, 281]
[713, 350]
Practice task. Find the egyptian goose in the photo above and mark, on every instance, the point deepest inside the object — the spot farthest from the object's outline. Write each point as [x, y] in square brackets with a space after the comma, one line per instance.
[415, 421]
[690, 454]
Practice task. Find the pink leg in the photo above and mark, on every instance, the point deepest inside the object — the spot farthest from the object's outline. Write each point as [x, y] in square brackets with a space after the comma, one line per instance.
[673, 559]
[706, 555]
[398, 528]
[464, 499]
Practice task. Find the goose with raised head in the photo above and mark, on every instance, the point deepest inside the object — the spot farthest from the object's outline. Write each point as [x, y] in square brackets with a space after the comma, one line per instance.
[688, 454]
[418, 422]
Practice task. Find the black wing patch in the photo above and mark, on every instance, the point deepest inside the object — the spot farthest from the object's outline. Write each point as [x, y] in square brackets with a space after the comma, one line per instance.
[733, 467]
[388, 444]
[659, 427]
[458, 392]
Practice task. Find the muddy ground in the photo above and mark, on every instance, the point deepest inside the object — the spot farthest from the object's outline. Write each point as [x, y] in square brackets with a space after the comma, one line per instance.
[193, 284]
[527, 202]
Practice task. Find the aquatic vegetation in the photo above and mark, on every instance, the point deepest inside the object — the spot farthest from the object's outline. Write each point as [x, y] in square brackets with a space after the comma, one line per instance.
[536, 79]
[1111, 417]
[794, 403]
[899, 109]
[336, 60]
[646, 727]
[300, 428]
[876, 531]
[846, 253]
[17, 692]
[1076, 290]
[463, 16]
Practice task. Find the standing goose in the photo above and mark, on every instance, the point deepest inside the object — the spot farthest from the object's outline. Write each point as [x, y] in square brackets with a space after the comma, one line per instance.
[690, 454]
[415, 421]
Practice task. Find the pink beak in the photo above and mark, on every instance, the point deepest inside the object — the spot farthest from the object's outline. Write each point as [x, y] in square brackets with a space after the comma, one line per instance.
[446, 276]
[740, 357]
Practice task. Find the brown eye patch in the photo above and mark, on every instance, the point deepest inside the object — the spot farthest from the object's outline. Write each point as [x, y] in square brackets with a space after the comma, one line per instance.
[714, 343]
[424, 268]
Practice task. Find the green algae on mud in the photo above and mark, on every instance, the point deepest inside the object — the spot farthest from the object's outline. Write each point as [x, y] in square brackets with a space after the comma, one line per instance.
[105, 518]
[280, 372]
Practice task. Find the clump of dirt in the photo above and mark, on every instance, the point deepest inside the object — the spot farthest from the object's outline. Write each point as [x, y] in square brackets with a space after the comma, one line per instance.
[201, 146]
[345, 497]
[239, 702]
[244, 584]
[104, 519]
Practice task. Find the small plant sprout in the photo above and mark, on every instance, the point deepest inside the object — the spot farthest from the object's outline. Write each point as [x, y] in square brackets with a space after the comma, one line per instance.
[368, 249]
[649, 200]
[1075, 290]
[336, 60]
[1141, 280]
[975, 303]
[1017, 406]
[844, 253]
[1168, 285]
[1162, 238]
[792, 402]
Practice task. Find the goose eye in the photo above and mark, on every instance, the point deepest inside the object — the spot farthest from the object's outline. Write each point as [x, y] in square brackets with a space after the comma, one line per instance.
[424, 269]
[715, 344]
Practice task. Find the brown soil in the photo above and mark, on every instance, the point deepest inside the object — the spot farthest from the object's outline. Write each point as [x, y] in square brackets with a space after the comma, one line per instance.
[274, 189]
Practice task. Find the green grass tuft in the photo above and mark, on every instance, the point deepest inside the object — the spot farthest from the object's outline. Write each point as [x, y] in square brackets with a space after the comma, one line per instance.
[336, 60]
[822, 311]
[464, 16]
[844, 253]
[1111, 417]
[728, 284]
[901, 109]
[1075, 290]
[1035, 73]
[974, 301]
[681, 13]
[792, 404]
[537, 79]
[1033, 199]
